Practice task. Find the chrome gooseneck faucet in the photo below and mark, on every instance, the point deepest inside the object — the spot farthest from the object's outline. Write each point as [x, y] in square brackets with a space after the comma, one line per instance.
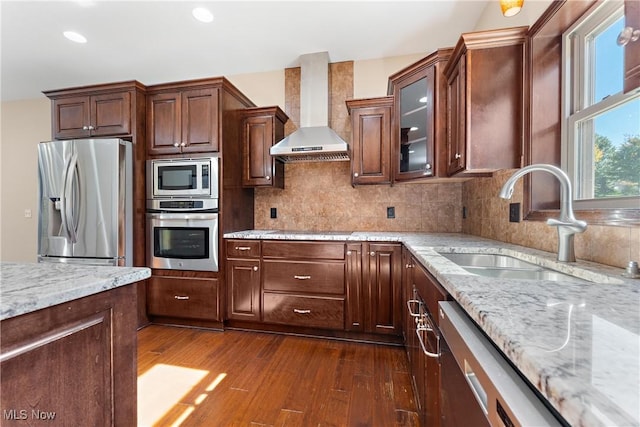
[567, 224]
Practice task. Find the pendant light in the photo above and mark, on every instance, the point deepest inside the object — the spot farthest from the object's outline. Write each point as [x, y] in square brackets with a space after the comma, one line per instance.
[511, 7]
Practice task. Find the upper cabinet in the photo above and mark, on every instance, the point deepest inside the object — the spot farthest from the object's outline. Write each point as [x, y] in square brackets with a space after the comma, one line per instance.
[183, 118]
[261, 129]
[485, 102]
[104, 110]
[371, 140]
[632, 46]
[418, 129]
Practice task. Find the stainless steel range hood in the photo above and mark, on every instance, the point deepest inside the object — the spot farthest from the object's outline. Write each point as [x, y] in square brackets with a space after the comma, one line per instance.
[315, 141]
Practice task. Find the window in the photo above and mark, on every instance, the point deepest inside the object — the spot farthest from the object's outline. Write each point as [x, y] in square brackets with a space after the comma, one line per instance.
[601, 129]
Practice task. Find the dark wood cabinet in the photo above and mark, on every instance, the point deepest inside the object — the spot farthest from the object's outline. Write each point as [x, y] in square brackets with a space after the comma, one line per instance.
[108, 114]
[422, 337]
[182, 119]
[71, 364]
[243, 280]
[374, 286]
[304, 284]
[183, 297]
[347, 289]
[355, 292]
[485, 111]
[261, 129]
[382, 277]
[419, 125]
[371, 140]
[632, 49]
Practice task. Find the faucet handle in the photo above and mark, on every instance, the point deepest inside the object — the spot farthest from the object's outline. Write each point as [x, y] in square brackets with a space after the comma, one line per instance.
[577, 226]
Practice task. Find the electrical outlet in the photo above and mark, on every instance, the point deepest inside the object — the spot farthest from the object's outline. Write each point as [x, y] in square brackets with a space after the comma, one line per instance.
[274, 213]
[27, 213]
[391, 212]
[514, 212]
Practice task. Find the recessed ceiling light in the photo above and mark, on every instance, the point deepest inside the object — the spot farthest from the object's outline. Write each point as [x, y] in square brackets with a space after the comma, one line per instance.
[202, 14]
[413, 128]
[75, 37]
[423, 100]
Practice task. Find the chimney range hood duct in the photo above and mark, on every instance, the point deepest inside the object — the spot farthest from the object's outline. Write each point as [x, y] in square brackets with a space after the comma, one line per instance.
[315, 141]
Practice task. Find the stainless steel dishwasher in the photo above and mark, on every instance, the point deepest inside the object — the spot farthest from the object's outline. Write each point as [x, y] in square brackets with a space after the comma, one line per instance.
[478, 386]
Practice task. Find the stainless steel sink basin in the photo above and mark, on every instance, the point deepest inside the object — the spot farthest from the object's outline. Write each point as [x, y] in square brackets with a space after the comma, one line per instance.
[506, 267]
[488, 260]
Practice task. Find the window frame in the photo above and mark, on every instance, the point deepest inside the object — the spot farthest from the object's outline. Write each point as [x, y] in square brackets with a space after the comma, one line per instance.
[578, 105]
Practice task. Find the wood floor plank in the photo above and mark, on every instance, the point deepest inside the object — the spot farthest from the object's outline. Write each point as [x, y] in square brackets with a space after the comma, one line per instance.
[243, 378]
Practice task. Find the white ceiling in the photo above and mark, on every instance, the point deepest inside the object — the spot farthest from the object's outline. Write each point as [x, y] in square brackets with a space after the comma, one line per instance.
[160, 41]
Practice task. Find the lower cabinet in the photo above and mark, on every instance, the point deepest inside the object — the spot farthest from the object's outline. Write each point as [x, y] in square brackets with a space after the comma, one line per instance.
[381, 275]
[72, 364]
[304, 310]
[243, 293]
[303, 284]
[175, 297]
[243, 279]
[332, 286]
[422, 338]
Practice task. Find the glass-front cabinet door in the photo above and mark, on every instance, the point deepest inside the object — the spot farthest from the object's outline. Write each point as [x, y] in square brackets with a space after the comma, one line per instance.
[415, 155]
[419, 110]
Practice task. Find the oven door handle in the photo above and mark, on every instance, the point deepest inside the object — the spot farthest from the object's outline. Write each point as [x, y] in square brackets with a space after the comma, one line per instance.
[183, 216]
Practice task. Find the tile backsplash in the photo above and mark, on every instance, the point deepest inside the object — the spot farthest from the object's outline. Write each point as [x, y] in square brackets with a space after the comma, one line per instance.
[319, 197]
[488, 216]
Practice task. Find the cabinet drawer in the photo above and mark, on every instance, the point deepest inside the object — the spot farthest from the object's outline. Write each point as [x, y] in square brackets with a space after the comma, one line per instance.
[296, 310]
[243, 248]
[297, 250]
[304, 276]
[189, 298]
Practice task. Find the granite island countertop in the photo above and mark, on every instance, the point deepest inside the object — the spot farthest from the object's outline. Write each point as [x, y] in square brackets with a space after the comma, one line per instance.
[27, 287]
[577, 343]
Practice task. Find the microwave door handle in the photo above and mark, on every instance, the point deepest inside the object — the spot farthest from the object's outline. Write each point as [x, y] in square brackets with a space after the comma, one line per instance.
[68, 201]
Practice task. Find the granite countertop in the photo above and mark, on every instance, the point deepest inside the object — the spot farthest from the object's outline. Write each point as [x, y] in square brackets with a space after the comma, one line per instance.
[578, 343]
[27, 287]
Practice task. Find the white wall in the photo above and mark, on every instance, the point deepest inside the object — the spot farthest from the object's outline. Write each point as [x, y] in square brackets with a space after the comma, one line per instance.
[24, 124]
[264, 89]
[370, 78]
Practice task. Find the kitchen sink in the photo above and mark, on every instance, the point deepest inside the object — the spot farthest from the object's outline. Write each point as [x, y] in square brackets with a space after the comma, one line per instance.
[488, 260]
[506, 267]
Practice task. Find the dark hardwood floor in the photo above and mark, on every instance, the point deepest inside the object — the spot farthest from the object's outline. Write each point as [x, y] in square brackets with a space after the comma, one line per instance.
[192, 377]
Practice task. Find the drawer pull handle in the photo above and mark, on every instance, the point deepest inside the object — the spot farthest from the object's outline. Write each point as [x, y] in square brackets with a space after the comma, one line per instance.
[255, 268]
[410, 304]
[243, 248]
[427, 328]
[372, 253]
[181, 297]
[302, 277]
[299, 311]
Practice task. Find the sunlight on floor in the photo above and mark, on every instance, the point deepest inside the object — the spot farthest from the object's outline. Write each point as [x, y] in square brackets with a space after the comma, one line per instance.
[161, 388]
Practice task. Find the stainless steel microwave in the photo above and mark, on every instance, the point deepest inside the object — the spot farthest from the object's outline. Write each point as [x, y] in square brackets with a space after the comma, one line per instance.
[197, 177]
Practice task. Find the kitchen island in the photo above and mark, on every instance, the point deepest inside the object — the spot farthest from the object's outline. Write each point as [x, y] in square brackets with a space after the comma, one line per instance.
[68, 344]
[577, 342]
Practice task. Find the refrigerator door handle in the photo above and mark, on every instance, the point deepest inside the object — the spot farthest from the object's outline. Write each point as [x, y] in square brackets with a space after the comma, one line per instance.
[67, 201]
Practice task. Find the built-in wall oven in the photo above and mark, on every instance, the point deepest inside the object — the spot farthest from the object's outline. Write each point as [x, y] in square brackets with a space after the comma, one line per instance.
[182, 214]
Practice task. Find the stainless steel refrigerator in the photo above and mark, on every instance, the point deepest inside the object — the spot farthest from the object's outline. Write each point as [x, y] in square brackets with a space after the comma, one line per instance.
[86, 202]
